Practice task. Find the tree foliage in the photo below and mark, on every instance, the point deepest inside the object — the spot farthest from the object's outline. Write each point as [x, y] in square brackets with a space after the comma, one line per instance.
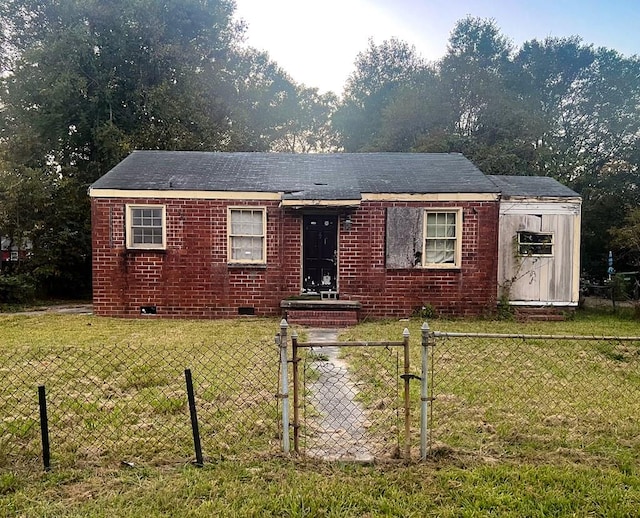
[84, 82]
[627, 237]
[90, 75]
[272, 112]
[556, 107]
[380, 72]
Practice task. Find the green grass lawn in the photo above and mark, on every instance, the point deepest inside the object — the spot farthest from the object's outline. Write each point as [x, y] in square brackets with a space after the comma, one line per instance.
[281, 487]
[264, 483]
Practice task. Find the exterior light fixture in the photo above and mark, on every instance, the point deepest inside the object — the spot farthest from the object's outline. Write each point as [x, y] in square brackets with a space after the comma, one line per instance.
[347, 223]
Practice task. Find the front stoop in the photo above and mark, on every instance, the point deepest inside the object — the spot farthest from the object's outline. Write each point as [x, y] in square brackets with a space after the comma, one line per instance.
[321, 313]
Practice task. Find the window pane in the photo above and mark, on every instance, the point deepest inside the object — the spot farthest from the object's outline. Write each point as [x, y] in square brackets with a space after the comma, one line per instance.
[146, 226]
[137, 235]
[235, 222]
[451, 225]
[440, 251]
[247, 235]
[535, 243]
[440, 239]
[246, 222]
[431, 226]
[246, 248]
[256, 224]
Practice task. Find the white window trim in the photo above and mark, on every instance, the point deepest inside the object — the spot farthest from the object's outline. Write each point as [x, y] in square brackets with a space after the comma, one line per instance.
[230, 259]
[552, 243]
[129, 232]
[457, 256]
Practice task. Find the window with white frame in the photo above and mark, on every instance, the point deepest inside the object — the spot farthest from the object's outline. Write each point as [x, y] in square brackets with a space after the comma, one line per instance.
[146, 226]
[535, 243]
[442, 239]
[246, 230]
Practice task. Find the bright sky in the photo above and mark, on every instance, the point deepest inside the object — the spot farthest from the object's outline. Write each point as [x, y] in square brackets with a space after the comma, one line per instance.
[316, 41]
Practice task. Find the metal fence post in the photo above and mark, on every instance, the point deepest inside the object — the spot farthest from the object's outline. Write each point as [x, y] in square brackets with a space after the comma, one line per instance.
[44, 428]
[296, 393]
[407, 408]
[284, 381]
[194, 418]
[424, 386]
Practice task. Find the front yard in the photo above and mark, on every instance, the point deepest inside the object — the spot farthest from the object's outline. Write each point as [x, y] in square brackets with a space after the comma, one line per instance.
[519, 481]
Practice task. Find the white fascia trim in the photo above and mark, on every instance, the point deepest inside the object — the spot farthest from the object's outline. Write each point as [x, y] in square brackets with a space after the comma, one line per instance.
[441, 196]
[277, 196]
[320, 203]
[192, 195]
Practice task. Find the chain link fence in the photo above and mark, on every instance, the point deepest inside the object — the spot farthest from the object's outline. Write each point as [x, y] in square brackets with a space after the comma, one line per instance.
[496, 396]
[129, 403]
[501, 396]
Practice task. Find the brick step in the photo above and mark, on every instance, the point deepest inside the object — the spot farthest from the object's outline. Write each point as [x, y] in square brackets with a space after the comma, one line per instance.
[322, 318]
[541, 314]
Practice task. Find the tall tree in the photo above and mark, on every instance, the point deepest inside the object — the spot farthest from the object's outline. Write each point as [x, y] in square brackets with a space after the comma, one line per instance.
[269, 111]
[474, 69]
[414, 112]
[555, 107]
[306, 126]
[380, 72]
[490, 122]
[86, 81]
[148, 68]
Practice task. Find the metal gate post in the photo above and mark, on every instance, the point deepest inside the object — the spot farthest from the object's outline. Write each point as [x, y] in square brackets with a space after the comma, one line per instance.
[284, 383]
[424, 386]
[296, 393]
[407, 408]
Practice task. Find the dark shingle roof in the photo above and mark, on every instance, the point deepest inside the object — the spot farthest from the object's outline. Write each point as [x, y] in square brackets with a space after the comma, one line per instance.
[339, 176]
[531, 186]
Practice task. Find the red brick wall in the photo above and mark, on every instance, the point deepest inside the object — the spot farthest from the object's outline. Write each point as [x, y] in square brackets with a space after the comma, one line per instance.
[470, 290]
[191, 277]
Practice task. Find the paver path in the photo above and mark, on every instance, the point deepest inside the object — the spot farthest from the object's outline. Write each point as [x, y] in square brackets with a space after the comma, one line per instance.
[340, 427]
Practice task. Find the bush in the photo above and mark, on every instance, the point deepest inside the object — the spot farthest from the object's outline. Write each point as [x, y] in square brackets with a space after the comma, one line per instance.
[17, 289]
[425, 312]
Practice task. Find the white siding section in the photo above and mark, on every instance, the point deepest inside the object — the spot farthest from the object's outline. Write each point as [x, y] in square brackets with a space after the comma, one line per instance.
[543, 280]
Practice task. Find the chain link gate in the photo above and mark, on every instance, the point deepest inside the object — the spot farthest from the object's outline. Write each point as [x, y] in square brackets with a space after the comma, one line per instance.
[351, 400]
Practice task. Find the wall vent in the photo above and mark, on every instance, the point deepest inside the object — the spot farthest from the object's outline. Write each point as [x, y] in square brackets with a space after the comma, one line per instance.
[246, 310]
[148, 310]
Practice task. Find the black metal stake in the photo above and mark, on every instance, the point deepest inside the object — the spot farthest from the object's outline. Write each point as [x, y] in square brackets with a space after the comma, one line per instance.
[44, 428]
[194, 418]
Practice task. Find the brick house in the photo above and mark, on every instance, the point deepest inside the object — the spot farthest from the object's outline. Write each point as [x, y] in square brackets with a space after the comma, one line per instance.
[326, 238]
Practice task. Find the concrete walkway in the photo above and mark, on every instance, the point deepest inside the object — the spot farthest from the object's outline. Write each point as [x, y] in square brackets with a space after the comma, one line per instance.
[73, 309]
[338, 432]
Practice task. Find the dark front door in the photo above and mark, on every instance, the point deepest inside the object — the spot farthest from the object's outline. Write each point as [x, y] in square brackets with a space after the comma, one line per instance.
[320, 253]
